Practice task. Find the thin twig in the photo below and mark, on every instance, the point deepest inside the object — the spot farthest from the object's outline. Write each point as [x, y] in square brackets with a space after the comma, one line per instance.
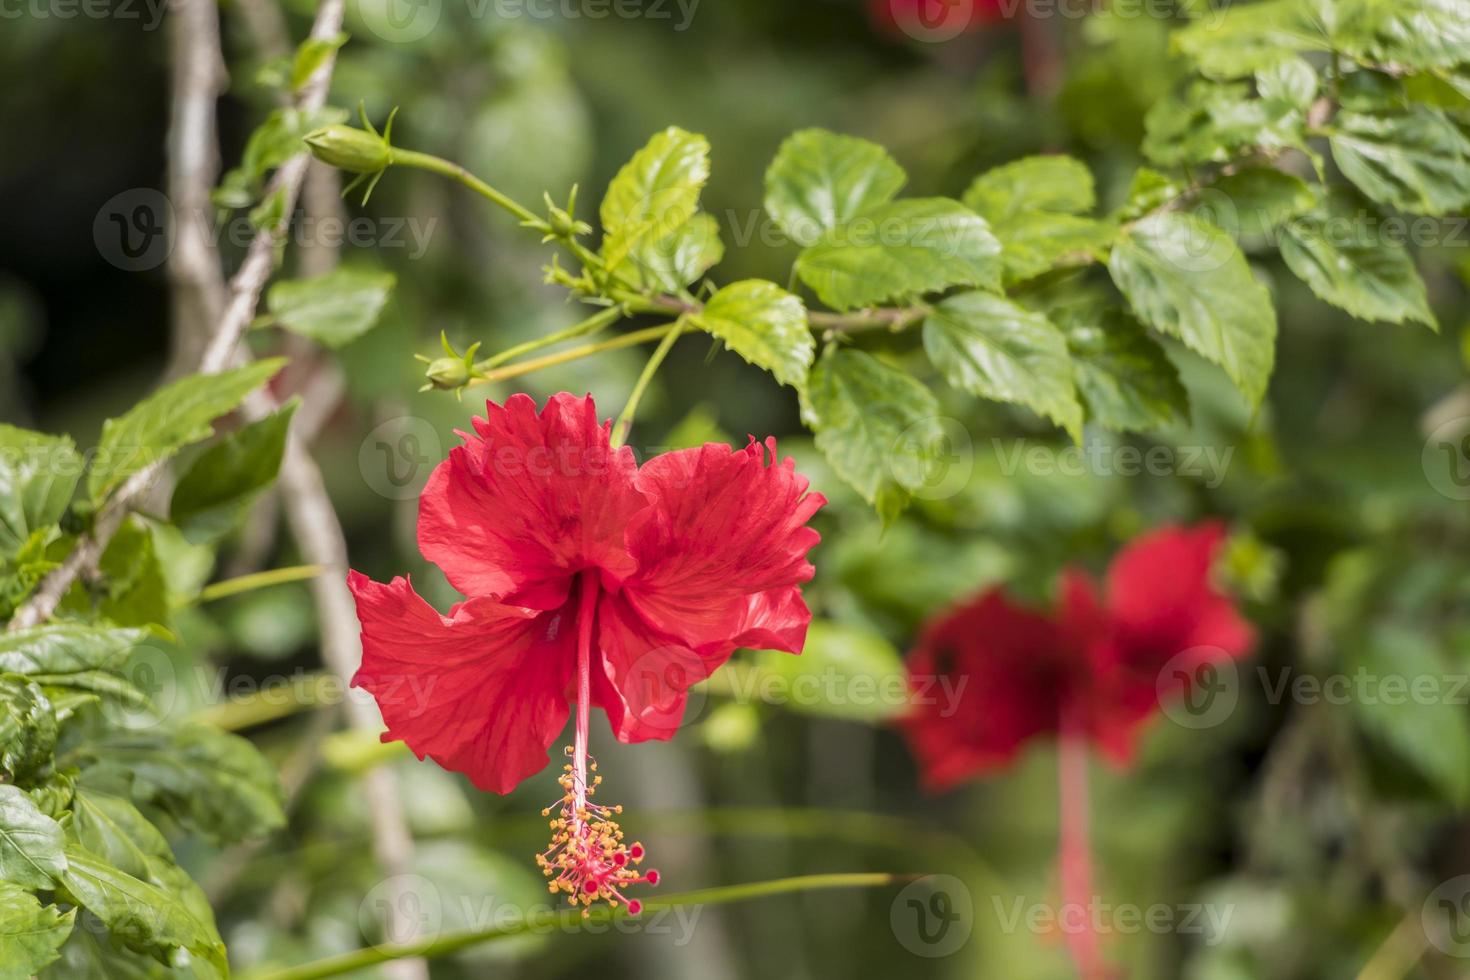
[239, 309]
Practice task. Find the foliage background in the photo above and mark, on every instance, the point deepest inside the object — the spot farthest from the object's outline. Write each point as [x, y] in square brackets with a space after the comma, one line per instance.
[1318, 826]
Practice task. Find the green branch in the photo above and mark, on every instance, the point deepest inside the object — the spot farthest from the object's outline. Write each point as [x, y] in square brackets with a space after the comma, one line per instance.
[572, 920]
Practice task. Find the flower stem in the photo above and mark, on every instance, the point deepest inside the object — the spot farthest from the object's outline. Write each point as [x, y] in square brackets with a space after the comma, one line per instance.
[258, 580]
[625, 420]
[573, 354]
[588, 326]
[446, 168]
[1075, 853]
[569, 921]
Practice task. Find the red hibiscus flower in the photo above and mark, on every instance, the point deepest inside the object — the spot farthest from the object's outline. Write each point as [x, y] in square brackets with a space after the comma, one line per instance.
[1094, 668]
[590, 580]
[937, 20]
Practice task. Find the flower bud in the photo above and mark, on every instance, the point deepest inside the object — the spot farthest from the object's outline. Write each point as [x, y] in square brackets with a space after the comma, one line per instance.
[448, 373]
[353, 150]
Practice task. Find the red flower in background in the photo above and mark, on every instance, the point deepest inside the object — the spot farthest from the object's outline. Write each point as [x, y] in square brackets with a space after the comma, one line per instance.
[590, 580]
[1094, 668]
[937, 20]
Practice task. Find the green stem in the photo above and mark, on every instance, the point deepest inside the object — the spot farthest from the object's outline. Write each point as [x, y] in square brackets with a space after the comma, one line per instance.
[572, 920]
[625, 420]
[590, 325]
[446, 168]
[573, 354]
[259, 580]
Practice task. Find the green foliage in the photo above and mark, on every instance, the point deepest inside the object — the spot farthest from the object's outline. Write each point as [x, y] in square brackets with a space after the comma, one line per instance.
[1339, 250]
[654, 195]
[1122, 374]
[764, 324]
[30, 933]
[211, 782]
[168, 420]
[989, 346]
[333, 309]
[27, 729]
[219, 487]
[844, 671]
[820, 181]
[141, 914]
[1033, 206]
[898, 250]
[1417, 160]
[1187, 278]
[37, 476]
[875, 423]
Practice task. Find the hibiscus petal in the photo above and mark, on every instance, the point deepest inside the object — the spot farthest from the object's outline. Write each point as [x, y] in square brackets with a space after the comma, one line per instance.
[722, 546]
[1163, 601]
[529, 500]
[984, 679]
[644, 674]
[482, 691]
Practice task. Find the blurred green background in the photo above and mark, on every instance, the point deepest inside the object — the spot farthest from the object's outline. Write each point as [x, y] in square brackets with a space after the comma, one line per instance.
[1310, 827]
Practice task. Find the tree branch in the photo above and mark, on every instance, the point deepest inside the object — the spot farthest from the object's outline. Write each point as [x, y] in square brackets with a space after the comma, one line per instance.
[239, 309]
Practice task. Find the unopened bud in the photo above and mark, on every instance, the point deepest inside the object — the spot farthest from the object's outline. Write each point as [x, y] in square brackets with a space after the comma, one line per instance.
[448, 373]
[347, 148]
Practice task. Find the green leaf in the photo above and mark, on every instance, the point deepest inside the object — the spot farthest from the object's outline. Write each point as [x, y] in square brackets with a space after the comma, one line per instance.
[670, 263]
[1339, 251]
[115, 831]
[877, 426]
[37, 476]
[820, 180]
[1417, 160]
[1059, 184]
[31, 843]
[311, 55]
[227, 477]
[1123, 376]
[89, 954]
[142, 915]
[132, 590]
[989, 346]
[654, 194]
[211, 782]
[1241, 39]
[24, 569]
[31, 934]
[334, 309]
[168, 420]
[66, 648]
[1212, 122]
[1186, 278]
[1412, 33]
[1293, 81]
[901, 249]
[764, 324]
[1256, 200]
[1032, 206]
[273, 142]
[844, 671]
[1429, 735]
[27, 729]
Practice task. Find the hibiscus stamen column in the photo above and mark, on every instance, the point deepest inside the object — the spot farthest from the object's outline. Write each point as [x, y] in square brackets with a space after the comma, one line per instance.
[587, 858]
[1075, 849]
